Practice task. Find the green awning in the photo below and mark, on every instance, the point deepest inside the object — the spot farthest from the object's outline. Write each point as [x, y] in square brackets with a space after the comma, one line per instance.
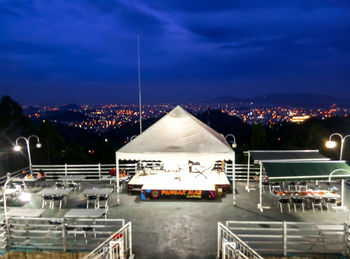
[305, 170]
[264, 155]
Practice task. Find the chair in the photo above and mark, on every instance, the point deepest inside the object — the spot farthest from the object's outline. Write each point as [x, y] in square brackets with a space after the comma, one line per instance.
[46, 198]
[54, 198]
[59, 185]
[284, 200]
[302, 186]
[331, 203]
[89, 199]
[275, 187]
[74, 186]
[292, 186]
[298, 201]
[88, 229]
[316, 202]
[102, 203]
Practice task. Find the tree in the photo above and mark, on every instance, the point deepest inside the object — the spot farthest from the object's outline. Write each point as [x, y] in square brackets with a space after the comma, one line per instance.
[259, 137]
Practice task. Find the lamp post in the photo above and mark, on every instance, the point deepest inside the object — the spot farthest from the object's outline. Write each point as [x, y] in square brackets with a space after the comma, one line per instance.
[234, 144]
[17, 147]
[332, 144]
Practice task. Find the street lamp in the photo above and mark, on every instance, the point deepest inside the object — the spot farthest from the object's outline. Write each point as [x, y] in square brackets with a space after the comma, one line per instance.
[17, 147]
[234, 144]
[332, 144]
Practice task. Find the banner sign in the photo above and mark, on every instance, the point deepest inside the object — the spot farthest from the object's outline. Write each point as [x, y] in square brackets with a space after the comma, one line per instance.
[177, 194]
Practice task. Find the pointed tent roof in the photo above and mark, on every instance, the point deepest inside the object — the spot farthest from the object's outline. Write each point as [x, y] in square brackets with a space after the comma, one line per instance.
[177, 135]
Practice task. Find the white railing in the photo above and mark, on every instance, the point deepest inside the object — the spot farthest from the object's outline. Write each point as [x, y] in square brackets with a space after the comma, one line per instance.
[117, 246]
[59, 234]
[13, 174]
[231, 246]
[92, 171]
[292, 238]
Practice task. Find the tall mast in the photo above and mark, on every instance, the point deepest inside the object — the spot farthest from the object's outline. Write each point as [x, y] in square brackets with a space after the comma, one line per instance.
[139, 75]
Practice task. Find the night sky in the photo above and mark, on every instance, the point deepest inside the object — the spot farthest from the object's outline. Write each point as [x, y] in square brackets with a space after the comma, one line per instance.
[85, 51]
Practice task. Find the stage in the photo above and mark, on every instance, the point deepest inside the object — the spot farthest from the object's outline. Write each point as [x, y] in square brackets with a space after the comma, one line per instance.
[182, 185]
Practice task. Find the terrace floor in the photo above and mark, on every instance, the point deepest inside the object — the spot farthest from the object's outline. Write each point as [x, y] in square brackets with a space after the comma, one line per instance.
[185, 228]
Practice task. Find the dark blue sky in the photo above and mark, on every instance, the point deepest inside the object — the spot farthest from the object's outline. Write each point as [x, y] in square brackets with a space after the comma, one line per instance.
[85, 51]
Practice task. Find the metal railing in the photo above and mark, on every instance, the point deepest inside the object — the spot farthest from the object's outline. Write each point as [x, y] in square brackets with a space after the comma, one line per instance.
[292, 238]
[96, 171]
[231, 246]
[57, 234]
[13, 174]
[92, 171]
[117, 246]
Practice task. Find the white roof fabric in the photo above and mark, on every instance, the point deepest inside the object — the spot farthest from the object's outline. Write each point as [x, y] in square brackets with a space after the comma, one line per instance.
[178, 136]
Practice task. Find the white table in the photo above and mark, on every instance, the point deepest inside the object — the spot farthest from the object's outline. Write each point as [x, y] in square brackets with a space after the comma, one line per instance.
[98, 191]
[85, 213]
[54, 191]
[72, 178]
[20, 212]
[113, 178]
[26, 180]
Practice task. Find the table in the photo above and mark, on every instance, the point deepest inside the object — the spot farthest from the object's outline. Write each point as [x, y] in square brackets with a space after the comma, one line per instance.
[85, 213]
[72, 178]
[97, 191]
[20, 212]
[26, 180]
[54, 191]
[113, 178]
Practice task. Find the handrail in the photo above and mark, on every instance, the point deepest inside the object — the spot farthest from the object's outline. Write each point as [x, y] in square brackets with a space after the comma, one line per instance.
[240, 245]
[93, 253]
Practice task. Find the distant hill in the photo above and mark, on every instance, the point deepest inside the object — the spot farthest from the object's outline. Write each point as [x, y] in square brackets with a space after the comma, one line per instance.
[304, 99]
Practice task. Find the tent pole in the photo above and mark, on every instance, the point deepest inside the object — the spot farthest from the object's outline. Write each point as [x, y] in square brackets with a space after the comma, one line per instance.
[248, 173]
[260, 189]
[117, 177]
[233, 181]
[342, 193]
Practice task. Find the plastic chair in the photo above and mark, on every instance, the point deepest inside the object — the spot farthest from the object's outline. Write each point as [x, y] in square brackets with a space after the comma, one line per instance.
[302, 186]
[284, 200]
[59, 185]
[292, 186]
[316, 202]
[89, 199]
[46, 198]
[298, 201]
[331, 203]
[55, 198]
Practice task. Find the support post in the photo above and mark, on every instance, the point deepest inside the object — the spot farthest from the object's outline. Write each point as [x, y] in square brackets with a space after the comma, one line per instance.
[99, 170]
[65, 169]
[219, 240]
[260, 189]
[130, 238]
[117, 178]
[342, 192]
[233, 181]
[248, 173]
[64, 235]
[284, 238]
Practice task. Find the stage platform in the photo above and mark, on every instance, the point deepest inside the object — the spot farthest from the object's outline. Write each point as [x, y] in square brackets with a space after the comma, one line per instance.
[161, 184]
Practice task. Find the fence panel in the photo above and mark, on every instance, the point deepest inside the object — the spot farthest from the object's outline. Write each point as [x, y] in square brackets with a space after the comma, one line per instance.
[290, 238]
[59, 234]
[117, 246]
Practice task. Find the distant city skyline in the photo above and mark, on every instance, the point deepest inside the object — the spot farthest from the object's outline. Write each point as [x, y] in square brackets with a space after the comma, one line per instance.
[85, 51]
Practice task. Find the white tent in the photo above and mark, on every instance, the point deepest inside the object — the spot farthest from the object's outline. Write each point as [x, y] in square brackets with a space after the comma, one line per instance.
[178, 137]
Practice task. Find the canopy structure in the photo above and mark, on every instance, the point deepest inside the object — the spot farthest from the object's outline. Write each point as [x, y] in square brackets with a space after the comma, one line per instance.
[290, 155]
[288, 170]
[263, 155]
[305, 170]
[178, 137]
